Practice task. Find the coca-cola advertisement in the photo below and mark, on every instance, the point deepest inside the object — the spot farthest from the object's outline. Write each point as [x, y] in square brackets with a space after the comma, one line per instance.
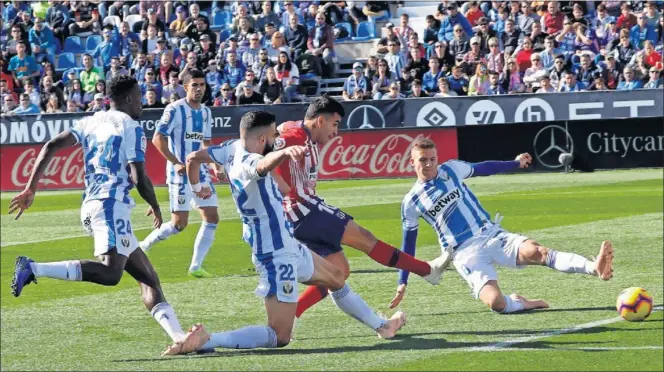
[380, 153]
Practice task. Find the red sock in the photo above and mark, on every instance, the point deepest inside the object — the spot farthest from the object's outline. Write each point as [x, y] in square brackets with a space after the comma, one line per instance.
[387, 255]
[311, 296]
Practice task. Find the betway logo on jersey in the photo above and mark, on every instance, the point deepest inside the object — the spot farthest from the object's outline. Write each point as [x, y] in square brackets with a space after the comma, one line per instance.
[441, 204]
[193, 136]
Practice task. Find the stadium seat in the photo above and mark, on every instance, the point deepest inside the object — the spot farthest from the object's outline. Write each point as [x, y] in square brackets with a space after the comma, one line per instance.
[73, 45]
[365, 31]
[66, 61]
[132, 19]
[221, 20]
[348, 27]
[91, 42]
[65, 79]
[113, 20]
[224, 35]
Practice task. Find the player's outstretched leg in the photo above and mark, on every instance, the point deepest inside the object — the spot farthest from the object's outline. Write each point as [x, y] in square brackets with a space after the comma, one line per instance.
[329, 276]
[107, 272]
[314, 294]
[532, 253]
[359, 238]
[204, 240]
[491, 295]
[177, 224]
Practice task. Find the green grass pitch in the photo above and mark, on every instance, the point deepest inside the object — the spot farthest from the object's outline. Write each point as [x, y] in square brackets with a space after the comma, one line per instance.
[57, 325]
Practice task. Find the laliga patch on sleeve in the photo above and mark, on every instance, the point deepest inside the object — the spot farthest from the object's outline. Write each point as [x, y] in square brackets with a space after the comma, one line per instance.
[144, 143]
[165, 119]
[279, 143]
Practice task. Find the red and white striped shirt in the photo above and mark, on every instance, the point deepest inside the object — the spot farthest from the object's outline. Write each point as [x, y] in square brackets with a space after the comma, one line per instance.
[300, 176]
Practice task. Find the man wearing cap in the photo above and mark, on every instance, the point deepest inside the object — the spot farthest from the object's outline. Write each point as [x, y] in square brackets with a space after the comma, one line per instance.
[354, 81]
[453, 19]
[180, 54]
[204, 52]
[473, 57]
[97, 104]
[381, 47]
[610, 71]
[270, 29]
[152, 19]
[484, 33]
[266, 16]
[108, 48]
[250, 55]
[179, 26]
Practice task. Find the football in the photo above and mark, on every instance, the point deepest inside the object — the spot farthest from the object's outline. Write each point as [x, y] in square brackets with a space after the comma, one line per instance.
[634, 304]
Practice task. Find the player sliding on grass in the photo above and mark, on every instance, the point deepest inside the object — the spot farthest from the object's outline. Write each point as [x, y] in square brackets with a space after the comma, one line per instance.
[185, 127]
[324, 228]
[442, 199]
[280, 260]
[114, 152]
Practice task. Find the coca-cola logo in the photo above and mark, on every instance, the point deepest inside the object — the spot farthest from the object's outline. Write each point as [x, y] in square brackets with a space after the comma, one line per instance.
[62, 171]
[389, 157]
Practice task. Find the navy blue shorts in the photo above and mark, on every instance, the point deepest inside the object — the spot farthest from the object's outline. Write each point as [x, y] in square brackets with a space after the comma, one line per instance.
[322, 229]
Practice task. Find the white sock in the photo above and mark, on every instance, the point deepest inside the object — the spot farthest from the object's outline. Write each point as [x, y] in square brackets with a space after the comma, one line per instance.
[569, 263]
[512, 306]
[64, 270]
[352, 304]
[245, 338]
[162, 233]
[164, 314]
[202, 244]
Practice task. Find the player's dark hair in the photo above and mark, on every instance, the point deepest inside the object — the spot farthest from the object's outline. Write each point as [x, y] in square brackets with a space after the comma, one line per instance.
[423, 143]
[193, 74]
[255, 120]
[120, 86]
[324, 105]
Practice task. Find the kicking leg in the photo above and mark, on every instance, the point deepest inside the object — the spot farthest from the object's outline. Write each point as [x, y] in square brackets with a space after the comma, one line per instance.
[177, 224]
[491, 296]
[141, 269]
[361, 239]
[313, 294]
[532, 253]
[203, 242]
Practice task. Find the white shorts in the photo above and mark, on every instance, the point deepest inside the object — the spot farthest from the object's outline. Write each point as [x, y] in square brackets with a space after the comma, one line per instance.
[475, 258]
[280, 271]
[182, 199]
[108, 221]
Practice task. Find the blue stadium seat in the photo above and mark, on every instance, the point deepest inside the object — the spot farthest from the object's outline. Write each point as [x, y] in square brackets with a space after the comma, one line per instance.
[92, 42]
[73, 45]
[224, 35]
[365, 31]
[65, 79]
[348, 27]
[220, 20]
[66, 61]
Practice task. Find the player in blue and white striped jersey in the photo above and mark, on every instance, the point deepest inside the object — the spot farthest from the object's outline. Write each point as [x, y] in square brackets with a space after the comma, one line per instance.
[465, 230]
[280, 260]
[186, 127]
[114, 154]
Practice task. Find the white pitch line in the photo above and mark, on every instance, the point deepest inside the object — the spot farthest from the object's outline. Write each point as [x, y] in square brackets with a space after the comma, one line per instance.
[522, 340]
[607, 348]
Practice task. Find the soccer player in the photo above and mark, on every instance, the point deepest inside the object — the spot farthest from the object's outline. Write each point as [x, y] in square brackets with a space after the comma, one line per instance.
[114, 152]
[324, 228]
[442, 199]
[185, 127]
[280, 260]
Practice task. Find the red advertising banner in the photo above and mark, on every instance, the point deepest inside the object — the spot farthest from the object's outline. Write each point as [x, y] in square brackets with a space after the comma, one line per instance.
[380, 153]
[354, 154]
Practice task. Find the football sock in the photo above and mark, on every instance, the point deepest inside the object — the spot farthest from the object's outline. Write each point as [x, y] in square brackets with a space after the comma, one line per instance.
[245, 338]
[311, 296]
[512, 306]
[387, 255]
[202, 244]
[164, 314]
[167, 229]
[569, 263]
[352, 304]
[65, 270]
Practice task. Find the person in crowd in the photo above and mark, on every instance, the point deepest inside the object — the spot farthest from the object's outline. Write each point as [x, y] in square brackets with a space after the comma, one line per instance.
[25, 107]
[8, 103]
[479, 82]
[226, 97]
[152, 101]
[394, 92]
[97, 104]
[296, 36]
[52, 105]
[354, 81]
[271, 89]
[74, 92]
[22, 65]
[570, 84]
[321, 45]
[382, 80]
[289, 76]
[416, 90]
[444, 88]
[249, 96]
[629, 82]
[100, 87]
[42, 41]
[453, 18]
[655, 80]
[29, 89]
[534, 74]
[494, 88]
[458, 82]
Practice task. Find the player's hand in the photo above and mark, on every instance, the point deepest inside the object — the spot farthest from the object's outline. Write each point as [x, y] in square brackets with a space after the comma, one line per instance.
[218, 173]
[21, 202]
[156, 213]
[295, 152]
[180, 169]
[205, 193]
[401, 292]
[524, 160]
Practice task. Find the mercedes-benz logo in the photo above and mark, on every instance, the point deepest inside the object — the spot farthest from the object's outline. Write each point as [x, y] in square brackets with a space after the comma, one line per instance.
[371, 117]
[549, 143]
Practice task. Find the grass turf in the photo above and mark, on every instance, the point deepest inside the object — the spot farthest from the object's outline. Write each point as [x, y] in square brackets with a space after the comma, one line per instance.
[58, 325]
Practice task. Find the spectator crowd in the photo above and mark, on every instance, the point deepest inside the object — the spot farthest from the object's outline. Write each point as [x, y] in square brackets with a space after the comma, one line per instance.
[57, 56]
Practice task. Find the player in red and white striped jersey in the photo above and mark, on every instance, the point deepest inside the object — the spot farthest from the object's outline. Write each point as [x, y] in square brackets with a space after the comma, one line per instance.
[324, 228]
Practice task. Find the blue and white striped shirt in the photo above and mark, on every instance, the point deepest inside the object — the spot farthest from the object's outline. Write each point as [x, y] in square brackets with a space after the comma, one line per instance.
[186, 130]
[111, 140]
[258, 200]
[446, 204]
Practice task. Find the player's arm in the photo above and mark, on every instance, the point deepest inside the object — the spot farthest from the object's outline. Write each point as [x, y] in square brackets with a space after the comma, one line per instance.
[491, 167]
[146, 190]
[22, 201]
[164, 128]
[409, 218]
[194, 161]
[272, 160]
[283, 186]
[161, 143]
